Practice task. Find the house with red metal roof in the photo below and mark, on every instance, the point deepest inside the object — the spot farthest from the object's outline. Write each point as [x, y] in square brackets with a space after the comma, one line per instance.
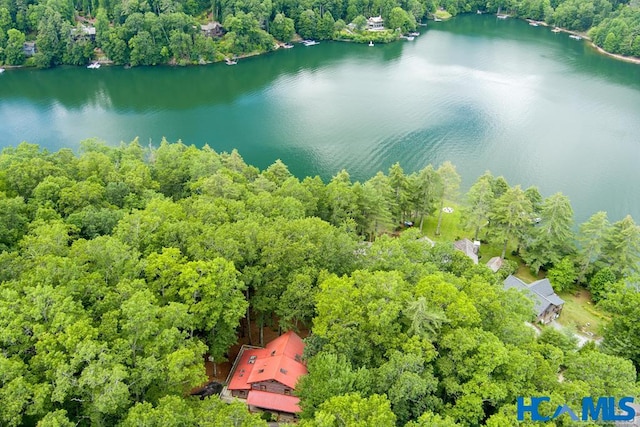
[266, 377]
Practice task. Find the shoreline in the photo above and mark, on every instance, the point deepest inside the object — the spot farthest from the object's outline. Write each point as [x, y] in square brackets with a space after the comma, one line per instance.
[629, 59]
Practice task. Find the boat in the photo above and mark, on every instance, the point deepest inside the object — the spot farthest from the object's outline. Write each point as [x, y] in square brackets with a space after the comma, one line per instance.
[573, 36]
[230, 61]
[310, 42]
[556, 30]
[370, 43]
[503, 16]
[287, 46]
[1, 70]
[479, 12]
[414, 34]
[94, 65]
[533, 24]
[410, 38]
[436, 19]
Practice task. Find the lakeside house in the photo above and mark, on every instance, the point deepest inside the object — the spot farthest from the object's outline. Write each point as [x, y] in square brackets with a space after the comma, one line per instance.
[266, 377]
[85, 31]
[29, 48]
[547, 304]
[375, 23]
[212, 29]
[468, 248]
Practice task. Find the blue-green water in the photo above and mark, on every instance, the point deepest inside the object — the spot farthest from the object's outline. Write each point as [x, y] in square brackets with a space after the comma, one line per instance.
[537, 107]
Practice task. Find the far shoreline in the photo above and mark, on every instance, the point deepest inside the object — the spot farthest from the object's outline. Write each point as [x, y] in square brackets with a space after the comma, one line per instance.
[109, 63]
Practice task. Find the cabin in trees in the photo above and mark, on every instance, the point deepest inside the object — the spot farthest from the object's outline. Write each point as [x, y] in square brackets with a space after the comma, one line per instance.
[85, 31]
[547, 304]
[375, 23]
[29, 48]
[212, 29]
[468, 248]
[266, 377]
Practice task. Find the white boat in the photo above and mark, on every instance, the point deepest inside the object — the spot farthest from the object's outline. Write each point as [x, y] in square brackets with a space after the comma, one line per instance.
[94, 65]
[414, 34]
[370, 43]
[410, 38]
[533, 24]
[287, 46]
[1, 70]
[436, 19]
[310, 42]
[479, 12]
[503, 16]
[573, 36]
[230, 61]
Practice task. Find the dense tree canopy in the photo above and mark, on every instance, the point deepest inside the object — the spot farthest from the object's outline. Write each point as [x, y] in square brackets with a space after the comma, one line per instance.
[122, 268]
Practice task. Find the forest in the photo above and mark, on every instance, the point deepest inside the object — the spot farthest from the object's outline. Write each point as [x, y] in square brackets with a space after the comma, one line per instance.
[123, 268]
[149, 32]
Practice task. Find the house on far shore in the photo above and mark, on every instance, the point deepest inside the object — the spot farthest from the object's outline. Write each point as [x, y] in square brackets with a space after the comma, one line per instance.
[85, 31]
[375, 23]
[266, 377]
[494, 264]
[29, 48]
[212, 29]
[547, 304]
[468, 248]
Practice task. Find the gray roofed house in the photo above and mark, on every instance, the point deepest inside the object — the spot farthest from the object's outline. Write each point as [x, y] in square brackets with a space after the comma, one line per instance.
[212, 29]
[467, 247]
[29, 48]
[547, 304]
[494, 263]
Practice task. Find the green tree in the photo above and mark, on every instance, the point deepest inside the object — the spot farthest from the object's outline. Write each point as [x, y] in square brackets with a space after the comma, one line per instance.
[622, 247]
[282, 28]
[479, 202]
[591, 240]
[553, 237]
[622, 334]
[400, 19]
[426, 187]
[511, 214]
[13, 52]
[329, 375]
[600, 283]
[354, 410]
[563, 275]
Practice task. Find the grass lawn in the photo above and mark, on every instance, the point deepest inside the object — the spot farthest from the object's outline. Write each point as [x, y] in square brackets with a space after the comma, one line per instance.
[442, 14]
[450, 229]
[580, 311]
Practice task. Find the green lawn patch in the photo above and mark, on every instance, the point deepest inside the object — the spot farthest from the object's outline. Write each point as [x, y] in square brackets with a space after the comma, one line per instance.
[442, 14]
[580, 312]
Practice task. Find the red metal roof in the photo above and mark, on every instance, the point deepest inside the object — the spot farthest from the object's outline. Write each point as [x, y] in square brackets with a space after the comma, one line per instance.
[274, 401]
[239, 380]
[280, 361]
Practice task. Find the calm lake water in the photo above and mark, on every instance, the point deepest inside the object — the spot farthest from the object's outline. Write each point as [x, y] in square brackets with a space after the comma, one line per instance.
[536, 107]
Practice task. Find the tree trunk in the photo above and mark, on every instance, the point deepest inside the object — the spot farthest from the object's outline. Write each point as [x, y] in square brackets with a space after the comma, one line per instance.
[504, 249]
[439, 219]
[261, 330]
[421, 222]
[249, 319]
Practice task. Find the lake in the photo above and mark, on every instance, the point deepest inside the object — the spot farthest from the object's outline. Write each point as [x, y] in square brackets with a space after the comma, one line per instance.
[537, 107]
